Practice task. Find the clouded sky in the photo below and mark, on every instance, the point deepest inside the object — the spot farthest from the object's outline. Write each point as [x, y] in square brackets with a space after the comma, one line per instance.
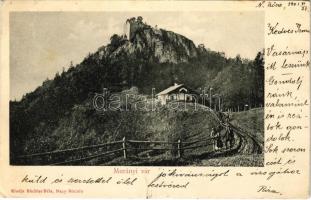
[43, 43]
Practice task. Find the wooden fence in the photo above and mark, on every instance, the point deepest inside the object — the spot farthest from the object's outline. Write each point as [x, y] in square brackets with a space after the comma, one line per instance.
[122, 148]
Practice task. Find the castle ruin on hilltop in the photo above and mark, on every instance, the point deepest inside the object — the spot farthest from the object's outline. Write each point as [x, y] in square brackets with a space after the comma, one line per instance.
[131, 26]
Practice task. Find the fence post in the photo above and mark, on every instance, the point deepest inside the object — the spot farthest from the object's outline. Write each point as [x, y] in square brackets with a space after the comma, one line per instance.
[179, 148]
[124, 147]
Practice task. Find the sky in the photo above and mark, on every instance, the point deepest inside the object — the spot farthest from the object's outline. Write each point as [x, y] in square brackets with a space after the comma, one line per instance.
[43, 43]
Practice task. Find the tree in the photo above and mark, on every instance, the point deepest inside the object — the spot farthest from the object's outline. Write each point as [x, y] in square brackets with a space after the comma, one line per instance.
[259, 77]
[115, 40]
[71, 65]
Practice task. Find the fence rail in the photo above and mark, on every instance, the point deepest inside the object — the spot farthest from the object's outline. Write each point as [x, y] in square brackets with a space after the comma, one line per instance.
[82, 154]
[155, 142]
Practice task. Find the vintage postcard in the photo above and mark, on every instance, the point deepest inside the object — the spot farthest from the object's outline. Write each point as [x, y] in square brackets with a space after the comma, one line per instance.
[157, 99]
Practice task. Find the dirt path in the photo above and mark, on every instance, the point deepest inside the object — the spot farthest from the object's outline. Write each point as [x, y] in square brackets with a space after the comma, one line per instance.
[246, 152]
[251, 144]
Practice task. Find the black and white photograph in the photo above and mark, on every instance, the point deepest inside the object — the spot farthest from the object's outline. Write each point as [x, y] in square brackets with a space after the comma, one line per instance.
[137, 88]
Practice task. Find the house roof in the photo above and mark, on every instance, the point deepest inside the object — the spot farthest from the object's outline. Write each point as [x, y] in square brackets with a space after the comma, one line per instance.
[170, 89]
[175, 87]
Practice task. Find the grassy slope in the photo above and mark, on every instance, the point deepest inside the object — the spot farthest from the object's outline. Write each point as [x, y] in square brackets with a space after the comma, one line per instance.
[170, 125]
[252, 121]
[84, 126]
[196, 124]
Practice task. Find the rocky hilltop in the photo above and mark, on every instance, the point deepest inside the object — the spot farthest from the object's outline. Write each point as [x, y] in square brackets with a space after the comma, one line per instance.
[156, 45]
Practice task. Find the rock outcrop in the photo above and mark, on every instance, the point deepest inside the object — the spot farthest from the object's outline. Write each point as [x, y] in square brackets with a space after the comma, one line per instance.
[149, 43]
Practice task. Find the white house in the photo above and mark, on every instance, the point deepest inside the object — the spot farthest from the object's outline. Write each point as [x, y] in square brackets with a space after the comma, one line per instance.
[177, 92]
